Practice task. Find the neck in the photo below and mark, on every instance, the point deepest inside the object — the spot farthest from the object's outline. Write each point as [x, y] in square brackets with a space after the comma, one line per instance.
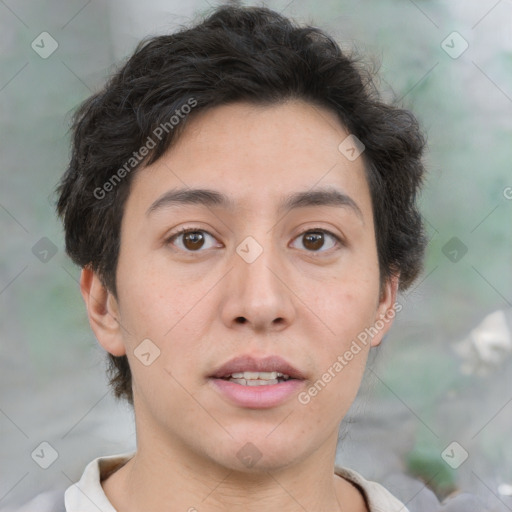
[162, 478]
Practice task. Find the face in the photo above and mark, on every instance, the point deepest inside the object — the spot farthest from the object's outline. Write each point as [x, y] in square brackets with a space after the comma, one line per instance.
[277, 271]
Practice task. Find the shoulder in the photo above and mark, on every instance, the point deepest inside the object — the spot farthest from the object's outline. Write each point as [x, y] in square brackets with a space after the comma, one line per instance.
[87, 494]
[378, 497]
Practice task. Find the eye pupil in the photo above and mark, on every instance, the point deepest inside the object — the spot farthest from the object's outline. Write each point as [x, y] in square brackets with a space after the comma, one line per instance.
[195, 238]
[316, 238]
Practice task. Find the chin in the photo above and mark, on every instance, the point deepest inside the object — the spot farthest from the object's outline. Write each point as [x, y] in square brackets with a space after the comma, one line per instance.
[257, 451]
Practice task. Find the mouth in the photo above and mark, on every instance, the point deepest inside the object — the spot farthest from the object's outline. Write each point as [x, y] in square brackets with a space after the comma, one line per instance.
[250, 371]
[257, 378]
[255, 383]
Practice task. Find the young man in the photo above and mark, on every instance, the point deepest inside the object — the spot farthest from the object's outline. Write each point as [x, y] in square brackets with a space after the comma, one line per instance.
[243, 209]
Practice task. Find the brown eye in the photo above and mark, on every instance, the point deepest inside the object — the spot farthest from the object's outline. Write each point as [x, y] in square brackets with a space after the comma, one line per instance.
[314, 240]
[192, 240]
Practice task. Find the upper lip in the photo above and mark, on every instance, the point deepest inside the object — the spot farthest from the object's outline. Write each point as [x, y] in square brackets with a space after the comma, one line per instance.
[247, 363]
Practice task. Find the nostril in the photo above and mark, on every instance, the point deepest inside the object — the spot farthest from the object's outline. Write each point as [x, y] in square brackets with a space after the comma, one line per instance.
[241, 320]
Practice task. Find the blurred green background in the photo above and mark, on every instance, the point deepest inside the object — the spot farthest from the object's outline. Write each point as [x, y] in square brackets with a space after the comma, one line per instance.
[417, 398]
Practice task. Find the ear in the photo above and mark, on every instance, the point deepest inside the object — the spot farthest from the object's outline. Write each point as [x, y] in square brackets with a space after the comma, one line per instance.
[103, 312]
[386, 310]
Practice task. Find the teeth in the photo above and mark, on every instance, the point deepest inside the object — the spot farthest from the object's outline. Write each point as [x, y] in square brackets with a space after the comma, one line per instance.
[267, 376]
[255, 382]
[254, 375]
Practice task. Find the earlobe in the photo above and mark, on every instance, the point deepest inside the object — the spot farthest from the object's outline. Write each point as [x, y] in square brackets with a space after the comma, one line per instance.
[102, 311]
[386, 310]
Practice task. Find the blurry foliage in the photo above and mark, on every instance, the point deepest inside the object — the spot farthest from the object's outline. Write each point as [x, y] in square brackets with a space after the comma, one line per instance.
[427, 466]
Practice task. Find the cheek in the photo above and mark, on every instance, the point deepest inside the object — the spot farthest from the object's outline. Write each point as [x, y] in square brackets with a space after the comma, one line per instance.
[326, 401]
[151, 304]
[342, 351]
[167, 313]
[347, 309]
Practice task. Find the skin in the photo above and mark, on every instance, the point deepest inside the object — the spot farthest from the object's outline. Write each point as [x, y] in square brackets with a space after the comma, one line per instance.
[303, 302]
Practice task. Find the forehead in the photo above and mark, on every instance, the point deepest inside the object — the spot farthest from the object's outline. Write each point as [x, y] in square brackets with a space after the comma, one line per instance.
[256, 156]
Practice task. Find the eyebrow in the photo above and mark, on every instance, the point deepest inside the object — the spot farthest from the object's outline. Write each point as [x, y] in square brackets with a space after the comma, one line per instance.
[327, 196]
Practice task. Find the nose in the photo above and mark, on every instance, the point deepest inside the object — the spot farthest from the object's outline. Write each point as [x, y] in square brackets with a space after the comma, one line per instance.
[259, 292]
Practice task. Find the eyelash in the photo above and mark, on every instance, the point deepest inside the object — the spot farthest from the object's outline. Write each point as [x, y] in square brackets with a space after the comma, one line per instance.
[183, 231]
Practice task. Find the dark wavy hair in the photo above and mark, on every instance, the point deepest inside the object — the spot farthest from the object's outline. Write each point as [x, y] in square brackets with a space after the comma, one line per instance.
[249, 54]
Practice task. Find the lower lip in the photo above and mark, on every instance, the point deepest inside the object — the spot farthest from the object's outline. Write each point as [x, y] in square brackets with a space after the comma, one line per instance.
[258, 397]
